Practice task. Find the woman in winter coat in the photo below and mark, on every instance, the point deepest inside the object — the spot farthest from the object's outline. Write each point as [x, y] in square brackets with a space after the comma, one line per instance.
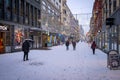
[93, 46]
[25, 49]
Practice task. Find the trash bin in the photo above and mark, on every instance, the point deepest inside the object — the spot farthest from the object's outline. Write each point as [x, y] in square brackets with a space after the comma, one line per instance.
[113, 59]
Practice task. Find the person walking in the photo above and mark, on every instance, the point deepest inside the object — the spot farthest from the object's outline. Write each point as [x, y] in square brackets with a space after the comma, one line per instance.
[93, 46]
[25, 49]
[67, 45]
[74, 44]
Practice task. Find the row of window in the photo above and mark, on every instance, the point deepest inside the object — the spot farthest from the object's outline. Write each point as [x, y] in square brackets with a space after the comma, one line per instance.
[49, 9]
[19, 11]
[115, 5]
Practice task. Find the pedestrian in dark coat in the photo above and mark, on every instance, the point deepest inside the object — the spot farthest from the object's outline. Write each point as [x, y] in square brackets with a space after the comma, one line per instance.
[25, 49]
[74, 45]
[93, 46]
[67, 45]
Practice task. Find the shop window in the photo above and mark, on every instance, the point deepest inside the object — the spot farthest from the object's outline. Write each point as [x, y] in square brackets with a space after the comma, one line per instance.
[1, 45]
[8, 39]
[19, 35]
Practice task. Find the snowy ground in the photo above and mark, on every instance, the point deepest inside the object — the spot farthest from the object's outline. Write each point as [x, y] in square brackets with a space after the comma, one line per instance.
[57, 64]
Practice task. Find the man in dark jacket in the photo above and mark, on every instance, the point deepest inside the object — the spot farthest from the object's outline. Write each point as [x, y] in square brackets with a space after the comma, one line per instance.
[25, 49]
[67, 44]
[93, 46]
[74, 44]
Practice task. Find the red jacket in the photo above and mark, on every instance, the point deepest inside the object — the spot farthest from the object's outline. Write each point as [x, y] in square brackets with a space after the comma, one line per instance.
[93, 46]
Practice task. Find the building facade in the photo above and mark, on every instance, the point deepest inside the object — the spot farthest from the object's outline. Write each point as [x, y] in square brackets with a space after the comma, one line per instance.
[112, 36]
[46, 22]
[17, 18]
[108, 36]
[70, 26]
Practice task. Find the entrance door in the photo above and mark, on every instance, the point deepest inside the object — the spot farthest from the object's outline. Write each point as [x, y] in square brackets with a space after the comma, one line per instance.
[1, 42]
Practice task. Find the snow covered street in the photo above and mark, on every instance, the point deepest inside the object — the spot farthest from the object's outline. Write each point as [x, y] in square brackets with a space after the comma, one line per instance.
[57, 64]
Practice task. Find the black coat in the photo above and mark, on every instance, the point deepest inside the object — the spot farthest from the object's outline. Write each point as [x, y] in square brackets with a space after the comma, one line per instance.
[67, 43]
[74, 44]
[25, 46]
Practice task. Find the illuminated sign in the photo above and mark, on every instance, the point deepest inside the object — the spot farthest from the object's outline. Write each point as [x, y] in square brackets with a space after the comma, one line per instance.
[4, 28]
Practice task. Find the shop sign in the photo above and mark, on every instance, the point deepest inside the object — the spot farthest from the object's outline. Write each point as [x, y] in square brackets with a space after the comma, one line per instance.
[3, 28]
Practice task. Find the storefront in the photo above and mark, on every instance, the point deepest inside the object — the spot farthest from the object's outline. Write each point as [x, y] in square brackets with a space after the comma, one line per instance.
[3, 30]
[45, 38]
[12, 37]
[111, 34]
[5, 38]
[114, 32]
[36, 36]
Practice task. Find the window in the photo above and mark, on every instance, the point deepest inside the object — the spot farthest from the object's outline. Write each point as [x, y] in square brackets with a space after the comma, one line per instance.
[22, 7]
[38, 18]
[110, 7]
[43, 5]
[7, 9]
[27, 13]
[119, 2]
[37, 1]
[15, 7]
[119, 38]
[35, 17]
[59, 1]
[49, 9]
[32, 15]
[1, 9]
[114, 5]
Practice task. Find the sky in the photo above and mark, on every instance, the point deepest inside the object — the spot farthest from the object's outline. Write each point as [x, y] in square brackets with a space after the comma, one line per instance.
[57, 64]
[79, 7]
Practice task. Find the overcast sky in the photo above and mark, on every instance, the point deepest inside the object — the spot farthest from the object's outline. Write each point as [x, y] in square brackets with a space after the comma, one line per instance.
[79, 7]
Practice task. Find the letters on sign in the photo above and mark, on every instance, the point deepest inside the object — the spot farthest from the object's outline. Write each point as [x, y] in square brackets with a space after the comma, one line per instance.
[4, 28]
